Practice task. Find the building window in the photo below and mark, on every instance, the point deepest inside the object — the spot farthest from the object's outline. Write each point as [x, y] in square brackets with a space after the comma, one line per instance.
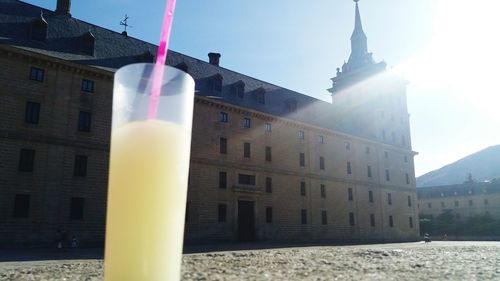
[403, 140]
[222, 180]
[268, 154]
[221, 212]
[239, 89]
[383, 134]
[387, 175]
[406, 159]
[84, 121]
[391, 221]
[87, 86]
[216, 83]
[389, 198]
[386, 154]
[246, 179]
[410, 222]
[268, 127]
[429, 205]
[303, 216]
[223, 117]
[351, 219]
[302, 188]
[457, 216]
[223, 145]
[470, 202]
[302, 160]
[246, 150]
[456, 203]
[76, 208]
[372, 220]
[393, 137]
[32, 113]
[246, 122]
[269, 185]
[260, 96]
[367, 150]
[80, 169]
[350, 195]
[269, 215]
[349, 171]
[301, 135]
[407, 178]
[21, 206]
[321, 163]
[409, 201]
[26, 160]
[37, 74]
[181, 66]
[442, 204]
[324, 220]
[369, 171]
[291, 105]
[323, 191]
[321, 139]
[485, 201]
[370, 196]
[347, 145]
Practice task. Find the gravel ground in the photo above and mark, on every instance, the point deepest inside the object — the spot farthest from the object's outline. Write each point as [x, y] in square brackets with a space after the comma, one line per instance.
[406, 261]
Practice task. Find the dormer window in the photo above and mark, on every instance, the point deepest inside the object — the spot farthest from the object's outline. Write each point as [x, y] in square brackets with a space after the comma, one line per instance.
[39, 28]
[88, 43]
[239, 89]
[215, 83]
[260, 96]
[147, 56]
[291, 105]
[182, 66]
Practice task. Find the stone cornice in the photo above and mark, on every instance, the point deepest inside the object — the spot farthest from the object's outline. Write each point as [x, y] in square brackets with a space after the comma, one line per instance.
[46, 139]
[293, 123]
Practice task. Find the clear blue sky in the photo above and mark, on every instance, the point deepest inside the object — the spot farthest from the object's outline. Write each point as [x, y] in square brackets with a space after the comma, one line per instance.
[447, 49]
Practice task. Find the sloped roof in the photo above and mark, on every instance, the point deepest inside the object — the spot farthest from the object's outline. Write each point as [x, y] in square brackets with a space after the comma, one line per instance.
[114, 50]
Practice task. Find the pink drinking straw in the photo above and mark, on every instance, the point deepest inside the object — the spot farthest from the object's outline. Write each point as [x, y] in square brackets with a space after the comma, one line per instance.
[161, 58]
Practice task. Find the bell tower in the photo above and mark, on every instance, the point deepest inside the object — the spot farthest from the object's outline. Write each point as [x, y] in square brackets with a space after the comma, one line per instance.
[369, 100]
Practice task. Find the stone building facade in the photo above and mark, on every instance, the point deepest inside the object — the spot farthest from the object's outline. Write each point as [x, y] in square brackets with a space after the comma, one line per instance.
[267, 163]
[462, 200]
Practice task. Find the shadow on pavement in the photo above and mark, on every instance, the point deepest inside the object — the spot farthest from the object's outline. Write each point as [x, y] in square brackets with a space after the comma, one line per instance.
[37, 254]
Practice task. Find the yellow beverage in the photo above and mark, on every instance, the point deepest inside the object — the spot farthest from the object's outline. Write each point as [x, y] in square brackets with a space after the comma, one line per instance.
[147, 192]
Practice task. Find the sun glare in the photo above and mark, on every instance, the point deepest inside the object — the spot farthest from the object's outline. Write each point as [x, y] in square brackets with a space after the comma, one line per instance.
[462, 57]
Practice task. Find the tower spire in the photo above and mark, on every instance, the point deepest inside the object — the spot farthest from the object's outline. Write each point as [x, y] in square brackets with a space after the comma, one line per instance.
[359, 46]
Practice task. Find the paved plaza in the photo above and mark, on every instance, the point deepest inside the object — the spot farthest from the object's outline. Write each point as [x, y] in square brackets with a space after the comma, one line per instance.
[404, 261]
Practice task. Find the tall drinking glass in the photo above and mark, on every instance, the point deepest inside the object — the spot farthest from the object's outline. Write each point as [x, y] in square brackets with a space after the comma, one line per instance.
[148, 175]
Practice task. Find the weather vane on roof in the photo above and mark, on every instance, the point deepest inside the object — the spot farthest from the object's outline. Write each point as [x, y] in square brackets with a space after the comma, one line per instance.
[125, 23]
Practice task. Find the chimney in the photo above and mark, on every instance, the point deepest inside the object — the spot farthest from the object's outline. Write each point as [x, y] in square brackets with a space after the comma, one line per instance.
[63, 7]
[213, 58]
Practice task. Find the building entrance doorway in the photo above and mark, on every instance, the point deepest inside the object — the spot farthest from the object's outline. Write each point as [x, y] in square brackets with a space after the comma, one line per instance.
[246, 221]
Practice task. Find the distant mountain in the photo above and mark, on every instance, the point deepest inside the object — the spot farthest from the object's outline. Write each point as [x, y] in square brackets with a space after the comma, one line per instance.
[483, 165]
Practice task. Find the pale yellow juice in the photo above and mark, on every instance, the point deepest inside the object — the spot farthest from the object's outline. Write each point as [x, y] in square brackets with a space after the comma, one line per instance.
[147, 192]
